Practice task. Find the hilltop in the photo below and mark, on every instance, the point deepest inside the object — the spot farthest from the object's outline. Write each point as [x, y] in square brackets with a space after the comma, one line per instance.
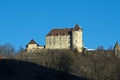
[22, 70]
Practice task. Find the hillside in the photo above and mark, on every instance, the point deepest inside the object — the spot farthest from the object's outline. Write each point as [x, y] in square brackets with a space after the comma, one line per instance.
[21, 70]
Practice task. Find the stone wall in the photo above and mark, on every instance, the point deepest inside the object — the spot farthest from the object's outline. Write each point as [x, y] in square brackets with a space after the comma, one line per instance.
[58, 42]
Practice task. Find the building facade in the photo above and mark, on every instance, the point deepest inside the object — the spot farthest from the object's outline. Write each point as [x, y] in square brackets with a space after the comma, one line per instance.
[67, 38]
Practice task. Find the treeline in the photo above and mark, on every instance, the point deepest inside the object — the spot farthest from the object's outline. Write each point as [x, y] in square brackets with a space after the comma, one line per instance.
[96, 65]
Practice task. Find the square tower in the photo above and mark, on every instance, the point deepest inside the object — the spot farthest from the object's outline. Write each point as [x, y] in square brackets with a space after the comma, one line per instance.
[77, 41]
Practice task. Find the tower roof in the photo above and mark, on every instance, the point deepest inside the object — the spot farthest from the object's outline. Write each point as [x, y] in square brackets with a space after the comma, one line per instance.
[32, 42]
[116, 45]
[77, 27]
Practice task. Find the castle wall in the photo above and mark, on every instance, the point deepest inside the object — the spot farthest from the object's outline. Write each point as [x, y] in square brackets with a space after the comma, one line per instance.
[31, 47]
[34, 48]
[58, 42]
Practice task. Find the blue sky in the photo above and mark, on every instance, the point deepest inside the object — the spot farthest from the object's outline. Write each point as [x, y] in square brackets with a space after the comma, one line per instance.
[23, 20]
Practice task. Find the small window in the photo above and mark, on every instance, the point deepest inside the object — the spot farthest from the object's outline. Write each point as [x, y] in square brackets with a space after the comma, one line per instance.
[60, 47]
[50, 42]
[54, 38]
[30, 51]
[76, 41]
[59, 38]
[54, 43]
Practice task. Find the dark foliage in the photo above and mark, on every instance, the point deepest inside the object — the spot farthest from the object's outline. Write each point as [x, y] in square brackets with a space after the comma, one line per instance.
[97, 65]
[22, 70]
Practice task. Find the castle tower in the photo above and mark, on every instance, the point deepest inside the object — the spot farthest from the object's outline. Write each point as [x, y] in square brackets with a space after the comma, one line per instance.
[31, 46]
[77, 42]
[117, 49]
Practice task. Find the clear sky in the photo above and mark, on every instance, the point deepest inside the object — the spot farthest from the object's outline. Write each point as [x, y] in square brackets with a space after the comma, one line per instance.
[23, 20]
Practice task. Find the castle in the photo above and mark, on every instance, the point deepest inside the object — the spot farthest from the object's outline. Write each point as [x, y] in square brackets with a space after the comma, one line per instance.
[66, 38]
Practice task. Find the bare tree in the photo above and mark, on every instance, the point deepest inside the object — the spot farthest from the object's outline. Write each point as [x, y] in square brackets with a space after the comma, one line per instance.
[7, 50]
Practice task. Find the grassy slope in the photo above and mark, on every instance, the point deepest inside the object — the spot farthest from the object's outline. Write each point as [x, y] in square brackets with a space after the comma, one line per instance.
[21, 70]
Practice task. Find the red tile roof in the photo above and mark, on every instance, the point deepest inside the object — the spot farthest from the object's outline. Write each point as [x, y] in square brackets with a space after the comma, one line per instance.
[56, 32]
[65, 31]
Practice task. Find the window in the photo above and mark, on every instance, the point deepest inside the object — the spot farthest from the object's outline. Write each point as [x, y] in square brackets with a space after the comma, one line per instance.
[76, 41]
[50, 39]
[54, 38]
[60, 47]
[50, 42]
[30, 51]
[59, 38]
[54, 43]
